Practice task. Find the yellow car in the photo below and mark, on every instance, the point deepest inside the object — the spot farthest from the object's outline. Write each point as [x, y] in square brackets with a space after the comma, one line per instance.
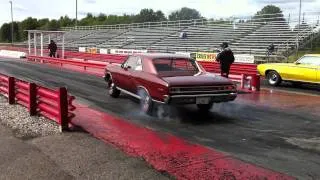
[304, 70]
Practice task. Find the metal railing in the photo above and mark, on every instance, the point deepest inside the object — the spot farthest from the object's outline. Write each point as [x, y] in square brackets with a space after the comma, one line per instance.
[195, 22]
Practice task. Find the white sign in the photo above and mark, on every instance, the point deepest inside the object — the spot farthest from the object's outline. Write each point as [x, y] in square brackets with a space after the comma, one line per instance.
[12, 54]
[126, 51]
[103, 51]
[82, 49]
[244, 58]
[183, 53]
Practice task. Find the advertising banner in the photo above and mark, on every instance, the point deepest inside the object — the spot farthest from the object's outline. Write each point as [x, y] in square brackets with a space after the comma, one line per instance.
[104, 51]
[211, 57]
[184, 53]
[92, 50]
[126, 51]
[82, 49]
[204, 56]
[244, 58]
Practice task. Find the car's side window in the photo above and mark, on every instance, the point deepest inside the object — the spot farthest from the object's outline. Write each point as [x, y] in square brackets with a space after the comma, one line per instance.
[131, 62]
[138, 64]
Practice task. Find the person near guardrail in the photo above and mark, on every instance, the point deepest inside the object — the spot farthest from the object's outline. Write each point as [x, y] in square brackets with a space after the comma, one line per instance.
[225, 58]
[52, 48]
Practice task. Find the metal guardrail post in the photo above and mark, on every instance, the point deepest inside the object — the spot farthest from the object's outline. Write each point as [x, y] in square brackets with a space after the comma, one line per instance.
[32, 106]
[63, 109]
[11, 90]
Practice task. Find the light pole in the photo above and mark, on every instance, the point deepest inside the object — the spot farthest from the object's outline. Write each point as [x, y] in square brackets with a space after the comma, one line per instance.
[76, 12]
[11, 23]
[299, 16]
[298, 28]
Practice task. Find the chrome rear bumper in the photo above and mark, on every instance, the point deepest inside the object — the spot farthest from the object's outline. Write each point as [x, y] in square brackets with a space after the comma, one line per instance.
[191, 99]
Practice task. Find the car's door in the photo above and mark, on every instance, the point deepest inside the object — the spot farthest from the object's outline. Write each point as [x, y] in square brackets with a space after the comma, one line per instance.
[317, 66]
[318, 74]
[124, 77]
[304, 70]
[136, 74]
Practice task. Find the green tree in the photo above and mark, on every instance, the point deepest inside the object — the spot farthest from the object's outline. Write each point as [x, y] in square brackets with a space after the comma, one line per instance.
[16, 32]
[27, 24]
[185, 14]
[43, 24]
[160, 16]
[65, 21]
[88, 20]
[148, 15]
[5, 34]
[53, 25]
[269, 13]
[101, 18]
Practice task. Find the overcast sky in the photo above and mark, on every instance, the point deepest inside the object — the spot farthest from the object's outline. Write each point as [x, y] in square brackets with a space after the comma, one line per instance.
[208, 8]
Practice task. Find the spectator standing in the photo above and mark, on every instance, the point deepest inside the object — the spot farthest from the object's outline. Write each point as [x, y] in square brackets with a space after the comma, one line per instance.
[270, 49]
[225, 58]
[52, 48]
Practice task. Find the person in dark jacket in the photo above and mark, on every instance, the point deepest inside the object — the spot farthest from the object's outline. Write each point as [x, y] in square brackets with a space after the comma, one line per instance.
[270, 49]
[52, 48]
[225, 58]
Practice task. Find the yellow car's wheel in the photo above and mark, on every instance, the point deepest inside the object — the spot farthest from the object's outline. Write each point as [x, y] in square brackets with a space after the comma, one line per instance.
[274, 78]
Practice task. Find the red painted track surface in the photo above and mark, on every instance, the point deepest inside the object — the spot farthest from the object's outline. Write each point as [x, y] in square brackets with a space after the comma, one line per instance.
[166, 152]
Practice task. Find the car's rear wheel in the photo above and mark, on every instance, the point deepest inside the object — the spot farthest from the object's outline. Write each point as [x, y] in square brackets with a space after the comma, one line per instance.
[146, 103]
[274, 78]
[112, 89]
[204, 107]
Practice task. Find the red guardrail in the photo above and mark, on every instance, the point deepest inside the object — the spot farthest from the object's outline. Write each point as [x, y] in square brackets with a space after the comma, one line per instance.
[236, 68]
[98, 67]
[111, 58]
[53, 104]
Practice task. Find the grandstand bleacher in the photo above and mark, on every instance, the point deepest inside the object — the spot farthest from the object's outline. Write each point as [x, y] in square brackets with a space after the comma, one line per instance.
[249, 37]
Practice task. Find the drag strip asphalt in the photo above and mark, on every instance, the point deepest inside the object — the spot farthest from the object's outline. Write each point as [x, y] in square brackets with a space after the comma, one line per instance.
[271, 137]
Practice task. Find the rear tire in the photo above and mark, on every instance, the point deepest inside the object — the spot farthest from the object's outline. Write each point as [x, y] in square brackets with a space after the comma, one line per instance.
[146, 103]
[204, 107]
[274, 79]
[112, 89]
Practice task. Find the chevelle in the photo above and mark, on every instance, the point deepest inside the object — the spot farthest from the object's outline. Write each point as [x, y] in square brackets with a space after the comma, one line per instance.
[167, 79]
[304, 70]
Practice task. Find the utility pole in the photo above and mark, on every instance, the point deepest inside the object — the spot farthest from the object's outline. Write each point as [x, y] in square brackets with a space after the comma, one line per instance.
[11, 23]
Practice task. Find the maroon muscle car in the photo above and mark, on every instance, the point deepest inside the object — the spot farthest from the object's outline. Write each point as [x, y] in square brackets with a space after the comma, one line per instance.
[167, 79]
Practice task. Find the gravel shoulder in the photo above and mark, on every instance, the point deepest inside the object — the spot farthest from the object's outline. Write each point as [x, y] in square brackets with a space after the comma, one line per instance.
[24, 126]
[33, 148]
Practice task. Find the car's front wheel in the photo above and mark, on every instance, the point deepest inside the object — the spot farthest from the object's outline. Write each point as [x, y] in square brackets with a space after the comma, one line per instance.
[274, 78]
[112, 89]
[204, 107]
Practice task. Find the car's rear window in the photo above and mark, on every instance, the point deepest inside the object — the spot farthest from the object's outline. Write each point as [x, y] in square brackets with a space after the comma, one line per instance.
[175, 65]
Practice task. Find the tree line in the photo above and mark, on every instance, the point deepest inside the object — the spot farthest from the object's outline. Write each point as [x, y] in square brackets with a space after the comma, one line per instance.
[145, 15]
